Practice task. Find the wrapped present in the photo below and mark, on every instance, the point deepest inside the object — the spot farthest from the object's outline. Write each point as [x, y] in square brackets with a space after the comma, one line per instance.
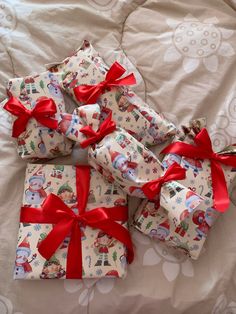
[121, 158]
[188, 231]
[86, 77]
[73, 224]
[36, 103]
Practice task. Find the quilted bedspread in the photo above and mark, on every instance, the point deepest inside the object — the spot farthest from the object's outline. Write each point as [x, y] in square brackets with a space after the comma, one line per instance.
[183, 54]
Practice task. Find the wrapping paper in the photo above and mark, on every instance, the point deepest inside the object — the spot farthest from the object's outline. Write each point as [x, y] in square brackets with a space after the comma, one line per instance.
[101, 255]
[38, 141]
[120, 158]
[85, 67]
[187, 231]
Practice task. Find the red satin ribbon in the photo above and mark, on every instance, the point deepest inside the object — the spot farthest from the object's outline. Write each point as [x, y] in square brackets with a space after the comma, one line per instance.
[54, 211]
[43, 112]
[153, 188]
[90, 93]
[106, 127]
[203, 150]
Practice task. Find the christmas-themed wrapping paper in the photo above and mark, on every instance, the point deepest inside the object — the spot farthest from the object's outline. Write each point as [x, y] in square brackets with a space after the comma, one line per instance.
[72, 187]
[120, 158]
[36, 102]
[189, 230]
[85, 67]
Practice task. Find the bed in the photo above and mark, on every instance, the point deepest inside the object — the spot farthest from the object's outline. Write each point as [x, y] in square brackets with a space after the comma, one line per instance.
[184, 77]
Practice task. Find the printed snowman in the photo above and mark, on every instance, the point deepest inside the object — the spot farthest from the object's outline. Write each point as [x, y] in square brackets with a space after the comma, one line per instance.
[162, 231]
[22, 264]
[35, 194]
[53, 86]
[192, 201]
[127, 168]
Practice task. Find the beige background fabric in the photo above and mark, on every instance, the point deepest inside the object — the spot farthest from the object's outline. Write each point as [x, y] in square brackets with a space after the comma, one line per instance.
[181, 78]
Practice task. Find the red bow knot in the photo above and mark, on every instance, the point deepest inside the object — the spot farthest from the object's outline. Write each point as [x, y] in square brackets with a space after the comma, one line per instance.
[90, 93]
[107, 126]
[153, 188]
[203, 150]
[43, 112]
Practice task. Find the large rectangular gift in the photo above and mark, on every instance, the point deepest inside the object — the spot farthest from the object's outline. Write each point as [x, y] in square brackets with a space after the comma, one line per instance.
[35, 103]
[73, 224]
[209, 175]
[120, 158]
[86, 77]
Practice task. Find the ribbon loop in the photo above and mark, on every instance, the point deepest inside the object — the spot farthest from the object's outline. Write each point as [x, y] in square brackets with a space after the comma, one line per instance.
[107, 126]
[90, 93]
[43, 112]
[153, 188]
[203, 150]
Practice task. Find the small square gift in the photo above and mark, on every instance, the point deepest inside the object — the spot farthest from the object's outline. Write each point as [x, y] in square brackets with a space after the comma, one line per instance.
[36, 103]
[73, 224]
[120, 158]
[208, 174]
[88, 80]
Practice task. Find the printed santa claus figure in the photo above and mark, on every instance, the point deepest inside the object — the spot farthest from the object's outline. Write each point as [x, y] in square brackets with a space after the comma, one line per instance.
[192, 201]
[194, 164]
[127, 168]
[202, 226]
[22, 264]
[162, 231]
[182, 228]
[68, 123]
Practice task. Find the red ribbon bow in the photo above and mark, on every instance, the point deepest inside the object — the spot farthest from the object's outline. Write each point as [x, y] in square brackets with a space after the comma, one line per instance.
[203, 150]
[43, 112]
[55, 211]
[153, 188]
[90, 93]
[107, 126]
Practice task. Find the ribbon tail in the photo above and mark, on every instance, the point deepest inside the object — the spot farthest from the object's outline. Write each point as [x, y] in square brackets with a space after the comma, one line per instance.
[82, 186]
[74, 254]
[48, 122]
[219, 186]
[128, 80]
[19, 125]
[51, 243]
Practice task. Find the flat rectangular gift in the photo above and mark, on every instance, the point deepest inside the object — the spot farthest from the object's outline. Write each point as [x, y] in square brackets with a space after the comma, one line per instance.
[86, 77]
[188, 231]
[36, 103]
[120, 158]
[73, 224]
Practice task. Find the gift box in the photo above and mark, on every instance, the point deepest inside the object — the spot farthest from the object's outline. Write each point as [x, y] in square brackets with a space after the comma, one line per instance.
[189, 229]
[35, 103]
[120, 158]
[73, 224]
[86, 77]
